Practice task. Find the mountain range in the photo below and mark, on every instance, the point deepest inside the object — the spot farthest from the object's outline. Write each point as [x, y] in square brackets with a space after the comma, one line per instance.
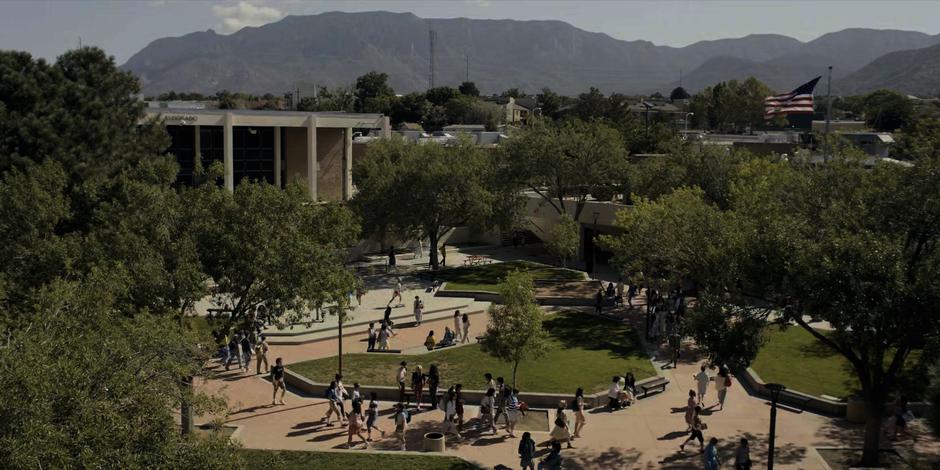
[332, 49]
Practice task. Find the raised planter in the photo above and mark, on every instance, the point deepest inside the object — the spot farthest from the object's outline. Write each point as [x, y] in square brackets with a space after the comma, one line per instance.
[434, 442]
[386, 393]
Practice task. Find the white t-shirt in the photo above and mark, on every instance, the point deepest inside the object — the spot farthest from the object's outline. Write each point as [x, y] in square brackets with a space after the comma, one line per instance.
[702, 378]
[614, 391]
[401, 374]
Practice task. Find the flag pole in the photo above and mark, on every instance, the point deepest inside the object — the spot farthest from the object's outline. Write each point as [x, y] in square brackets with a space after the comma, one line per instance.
[828, 109]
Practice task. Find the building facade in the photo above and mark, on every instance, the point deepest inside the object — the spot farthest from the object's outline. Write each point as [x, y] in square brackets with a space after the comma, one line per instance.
[279, 147]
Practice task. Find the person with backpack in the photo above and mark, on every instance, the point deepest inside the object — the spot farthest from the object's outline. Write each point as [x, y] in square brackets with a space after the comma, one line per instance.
[333, 406]
[722, 384]
[514, 410]
[577, 405]
[401, 419]
[277, 379]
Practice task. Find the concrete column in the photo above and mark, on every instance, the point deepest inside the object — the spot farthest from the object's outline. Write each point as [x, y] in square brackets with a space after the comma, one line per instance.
[347, 165]
[312, 157]
[386, 127]
[277, 157]
[229, 160]
[198, 144]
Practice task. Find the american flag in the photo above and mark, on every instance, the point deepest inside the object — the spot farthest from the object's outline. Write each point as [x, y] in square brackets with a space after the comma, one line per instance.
[798, 101]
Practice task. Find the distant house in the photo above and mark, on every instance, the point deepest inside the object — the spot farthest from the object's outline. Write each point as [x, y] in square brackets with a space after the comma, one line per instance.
[876, 144]
[466, 128]
[517, 110]
[410, 126]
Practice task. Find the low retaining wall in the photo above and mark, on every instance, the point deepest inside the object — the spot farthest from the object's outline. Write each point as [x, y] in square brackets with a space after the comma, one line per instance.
[492, 297]
[815, 404]
[472, 397]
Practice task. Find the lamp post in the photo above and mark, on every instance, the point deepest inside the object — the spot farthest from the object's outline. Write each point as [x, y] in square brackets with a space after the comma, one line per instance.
[594, 246]
[775, 390]
[687, 120]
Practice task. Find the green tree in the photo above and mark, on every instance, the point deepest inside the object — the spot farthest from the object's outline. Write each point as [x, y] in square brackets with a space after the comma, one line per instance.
[374, 94]
[731, 105]
[469, 89]
[887, 110]
[561, 162]
[514, 332]
[468, 110]
[679, 93]
[433, 189]
[921, 140]
[852, 246]
[550, 103]
[564, 238]
[591, 105]
[412, 107]
[513, 93]
[273, 251]
[439, 96]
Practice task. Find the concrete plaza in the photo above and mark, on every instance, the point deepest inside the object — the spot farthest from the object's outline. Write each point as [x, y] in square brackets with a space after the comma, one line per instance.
[646, 435]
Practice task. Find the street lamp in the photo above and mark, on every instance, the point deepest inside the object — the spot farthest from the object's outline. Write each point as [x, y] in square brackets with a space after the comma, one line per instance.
[775, 390]
[594, 247]
[687, 121]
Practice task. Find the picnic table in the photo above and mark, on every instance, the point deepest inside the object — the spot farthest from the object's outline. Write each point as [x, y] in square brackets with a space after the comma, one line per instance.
[475, 260]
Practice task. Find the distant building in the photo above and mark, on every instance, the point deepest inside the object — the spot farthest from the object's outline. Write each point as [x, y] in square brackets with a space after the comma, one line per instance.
[516, 110]
[180, 104]
[876, 144]
[274, 146]
[841, 126]
[465, 128]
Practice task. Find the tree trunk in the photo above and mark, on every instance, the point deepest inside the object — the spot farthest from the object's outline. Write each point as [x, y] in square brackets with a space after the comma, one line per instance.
[515, 366]
[341, 314]
[186, 408]
[433, 238]
[875, 407]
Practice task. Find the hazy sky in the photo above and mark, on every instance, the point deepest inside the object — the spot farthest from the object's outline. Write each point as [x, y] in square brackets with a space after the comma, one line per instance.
[122, 27]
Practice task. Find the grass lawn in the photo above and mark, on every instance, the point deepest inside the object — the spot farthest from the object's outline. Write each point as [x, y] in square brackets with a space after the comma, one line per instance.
[798, 360]
[585, 351]
[486, 277]
[290, 460]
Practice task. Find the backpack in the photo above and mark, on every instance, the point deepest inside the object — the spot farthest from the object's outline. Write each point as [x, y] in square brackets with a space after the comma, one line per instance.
[574, 405]
[728, 381]
[407, 416]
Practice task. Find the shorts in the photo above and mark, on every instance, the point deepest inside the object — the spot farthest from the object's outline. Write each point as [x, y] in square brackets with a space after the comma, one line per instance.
[370, 422]
[279, 383]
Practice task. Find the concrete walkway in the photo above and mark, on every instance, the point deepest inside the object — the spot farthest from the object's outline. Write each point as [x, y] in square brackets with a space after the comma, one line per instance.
[645, 436]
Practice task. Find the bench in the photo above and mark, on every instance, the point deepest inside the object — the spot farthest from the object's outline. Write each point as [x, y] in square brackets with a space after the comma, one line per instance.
[410, 395]
[386, 351]
[657, 383]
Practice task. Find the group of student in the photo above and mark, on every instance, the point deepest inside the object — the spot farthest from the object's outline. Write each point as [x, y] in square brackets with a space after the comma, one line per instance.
[239, 349]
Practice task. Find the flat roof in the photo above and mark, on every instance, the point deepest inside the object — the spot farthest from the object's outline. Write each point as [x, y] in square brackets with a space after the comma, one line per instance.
[261, 118]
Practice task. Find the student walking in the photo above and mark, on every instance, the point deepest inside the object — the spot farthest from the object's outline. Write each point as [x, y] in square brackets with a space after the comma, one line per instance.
[443, 254]
[697, 427]
[246, 351]
[690, 410]
[417, 386]
[355, 426]
[333, 399]
[487, 408]
[402, 372]
[599, 302]
[341, 395]
[514, 410]
[578, 406]
[501, 392]
[553, 460]
[465, 323]
[395, 295]
[233, 351]
[458, 406]
[712, 461]
[277, 379]
[418, 310]
[450, 415]
[401, 419]
[373, 336]
[526, 451]
[722, 383]
[261, 355]
[560, 432]
[434, 381]
[742, 456]
[382, 337]
[701, 381]
[372, 415]
[457, 325]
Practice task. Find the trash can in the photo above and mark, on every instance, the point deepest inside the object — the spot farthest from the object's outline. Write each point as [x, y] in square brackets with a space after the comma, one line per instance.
[855, 410]
[434, 442]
